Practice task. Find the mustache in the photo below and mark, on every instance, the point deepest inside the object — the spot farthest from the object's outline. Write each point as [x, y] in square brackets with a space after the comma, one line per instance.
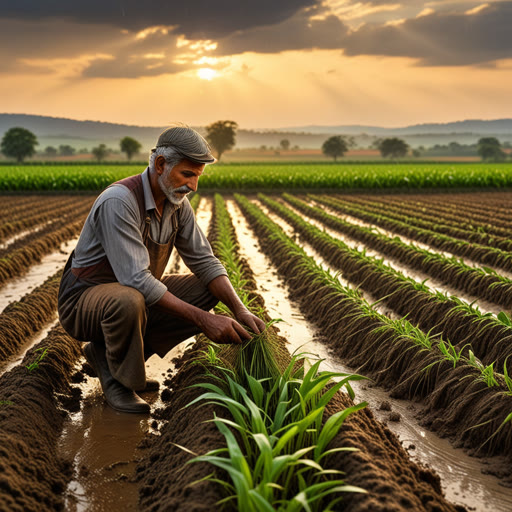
[183, 190]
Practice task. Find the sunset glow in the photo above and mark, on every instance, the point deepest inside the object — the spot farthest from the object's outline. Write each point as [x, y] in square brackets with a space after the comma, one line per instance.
[302, 62]
[206, 73]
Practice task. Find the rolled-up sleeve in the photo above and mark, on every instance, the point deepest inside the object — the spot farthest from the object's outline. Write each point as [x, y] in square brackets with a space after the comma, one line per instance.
[194, 248]
[117, 225]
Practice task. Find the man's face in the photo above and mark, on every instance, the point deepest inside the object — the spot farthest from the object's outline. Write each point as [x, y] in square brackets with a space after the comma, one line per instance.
[178, 181]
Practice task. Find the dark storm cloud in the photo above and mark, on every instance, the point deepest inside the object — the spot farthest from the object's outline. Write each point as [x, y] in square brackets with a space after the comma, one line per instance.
[200, 19]
[99, 39]
[441, 39]
[297, 33]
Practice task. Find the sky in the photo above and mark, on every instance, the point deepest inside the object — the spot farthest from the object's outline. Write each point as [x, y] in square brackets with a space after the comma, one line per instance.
[263, 63]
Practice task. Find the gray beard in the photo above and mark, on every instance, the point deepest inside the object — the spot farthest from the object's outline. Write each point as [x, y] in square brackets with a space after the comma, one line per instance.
[171, 193]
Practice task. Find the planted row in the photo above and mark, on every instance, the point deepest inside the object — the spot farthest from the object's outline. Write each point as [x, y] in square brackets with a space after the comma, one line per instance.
[276, 407]
[458, 229]
[479, 253]
[412, 363]
[458, 321]
[451, 214]
[484, 283]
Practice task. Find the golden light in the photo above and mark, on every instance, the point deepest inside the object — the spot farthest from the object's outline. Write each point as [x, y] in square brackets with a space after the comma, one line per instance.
[206, 73]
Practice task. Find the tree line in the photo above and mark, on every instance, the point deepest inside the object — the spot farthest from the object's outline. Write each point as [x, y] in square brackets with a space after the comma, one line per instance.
[20, 143]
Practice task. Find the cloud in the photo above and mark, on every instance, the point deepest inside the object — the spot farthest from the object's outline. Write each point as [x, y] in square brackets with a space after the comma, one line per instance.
[131, 39]
[441, 39]
[303, 31]
[196, 19]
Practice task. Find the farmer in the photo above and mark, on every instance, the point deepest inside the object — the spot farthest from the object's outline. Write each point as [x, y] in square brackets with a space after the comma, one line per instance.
[112, 292]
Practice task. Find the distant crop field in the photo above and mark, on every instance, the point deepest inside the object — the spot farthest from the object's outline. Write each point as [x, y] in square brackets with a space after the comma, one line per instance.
[285, 176]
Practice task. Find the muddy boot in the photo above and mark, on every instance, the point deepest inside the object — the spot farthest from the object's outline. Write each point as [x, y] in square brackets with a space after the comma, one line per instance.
[118, 396]
[151, 385]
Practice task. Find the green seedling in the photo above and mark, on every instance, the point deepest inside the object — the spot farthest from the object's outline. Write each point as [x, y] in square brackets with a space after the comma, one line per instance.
[35, 365]
[6, 402]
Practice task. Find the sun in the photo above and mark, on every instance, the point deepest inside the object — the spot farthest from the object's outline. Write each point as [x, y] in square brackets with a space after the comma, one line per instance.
[206, 73]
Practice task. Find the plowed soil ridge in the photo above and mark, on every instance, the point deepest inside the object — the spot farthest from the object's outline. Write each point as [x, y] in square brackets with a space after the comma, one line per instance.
[23, 318]
[32, 477]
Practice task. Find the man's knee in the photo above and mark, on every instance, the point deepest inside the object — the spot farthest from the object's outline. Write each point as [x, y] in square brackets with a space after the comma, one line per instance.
[128, 301]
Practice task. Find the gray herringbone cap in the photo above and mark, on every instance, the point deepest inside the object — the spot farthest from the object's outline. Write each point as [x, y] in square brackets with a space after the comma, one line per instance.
[187, 142]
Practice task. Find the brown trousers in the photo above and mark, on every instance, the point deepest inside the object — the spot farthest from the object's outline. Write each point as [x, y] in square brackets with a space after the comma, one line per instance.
[117, 316]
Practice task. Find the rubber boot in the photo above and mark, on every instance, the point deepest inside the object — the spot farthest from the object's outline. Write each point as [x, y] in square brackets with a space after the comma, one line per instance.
[118, 396]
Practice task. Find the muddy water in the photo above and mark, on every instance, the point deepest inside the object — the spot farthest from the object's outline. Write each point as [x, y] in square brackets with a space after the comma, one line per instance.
[16, 288]
[102, 443]
[461, 475]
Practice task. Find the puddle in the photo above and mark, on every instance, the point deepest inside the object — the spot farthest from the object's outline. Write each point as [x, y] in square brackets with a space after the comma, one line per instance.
[461, 475]
[103, 445]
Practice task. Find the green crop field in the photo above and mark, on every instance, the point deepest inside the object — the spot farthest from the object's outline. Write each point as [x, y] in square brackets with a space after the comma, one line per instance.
[276, 176]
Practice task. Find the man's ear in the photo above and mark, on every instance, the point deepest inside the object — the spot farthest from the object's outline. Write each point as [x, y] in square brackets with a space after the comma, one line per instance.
[160, 164]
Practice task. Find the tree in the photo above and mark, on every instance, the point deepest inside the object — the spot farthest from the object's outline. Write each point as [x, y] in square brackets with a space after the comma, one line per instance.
[285, 144]
[130, 146]
[335, 146]
[18, 143]
[221, 135]
[66, 150]
[100, 152]
[489, 148]
[393, 147]
[50, 151]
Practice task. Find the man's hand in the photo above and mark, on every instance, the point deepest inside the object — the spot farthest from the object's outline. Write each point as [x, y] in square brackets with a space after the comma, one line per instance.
[222, 329]
[251, 321]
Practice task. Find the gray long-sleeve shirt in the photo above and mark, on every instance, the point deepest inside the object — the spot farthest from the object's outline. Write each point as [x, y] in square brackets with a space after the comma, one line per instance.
[114, 228]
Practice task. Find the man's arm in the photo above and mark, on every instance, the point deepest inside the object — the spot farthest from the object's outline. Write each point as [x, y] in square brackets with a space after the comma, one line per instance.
[219, 328]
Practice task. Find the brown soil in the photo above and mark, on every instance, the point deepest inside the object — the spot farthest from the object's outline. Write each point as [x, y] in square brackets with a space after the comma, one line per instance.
[33, 406]
[32, 477]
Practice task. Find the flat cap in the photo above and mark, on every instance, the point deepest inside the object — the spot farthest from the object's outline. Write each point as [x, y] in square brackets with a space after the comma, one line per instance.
[187, 142]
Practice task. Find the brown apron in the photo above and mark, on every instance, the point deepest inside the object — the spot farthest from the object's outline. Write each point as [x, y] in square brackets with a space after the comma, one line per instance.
[76, 280]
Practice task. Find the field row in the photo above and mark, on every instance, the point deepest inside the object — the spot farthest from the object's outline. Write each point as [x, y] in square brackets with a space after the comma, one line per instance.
[275, 176]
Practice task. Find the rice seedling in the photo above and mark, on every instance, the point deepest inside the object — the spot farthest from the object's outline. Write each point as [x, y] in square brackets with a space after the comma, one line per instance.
[281, 446]
[35, 364]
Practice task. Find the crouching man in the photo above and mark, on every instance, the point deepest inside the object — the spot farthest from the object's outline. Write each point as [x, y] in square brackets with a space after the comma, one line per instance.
[112, 292]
